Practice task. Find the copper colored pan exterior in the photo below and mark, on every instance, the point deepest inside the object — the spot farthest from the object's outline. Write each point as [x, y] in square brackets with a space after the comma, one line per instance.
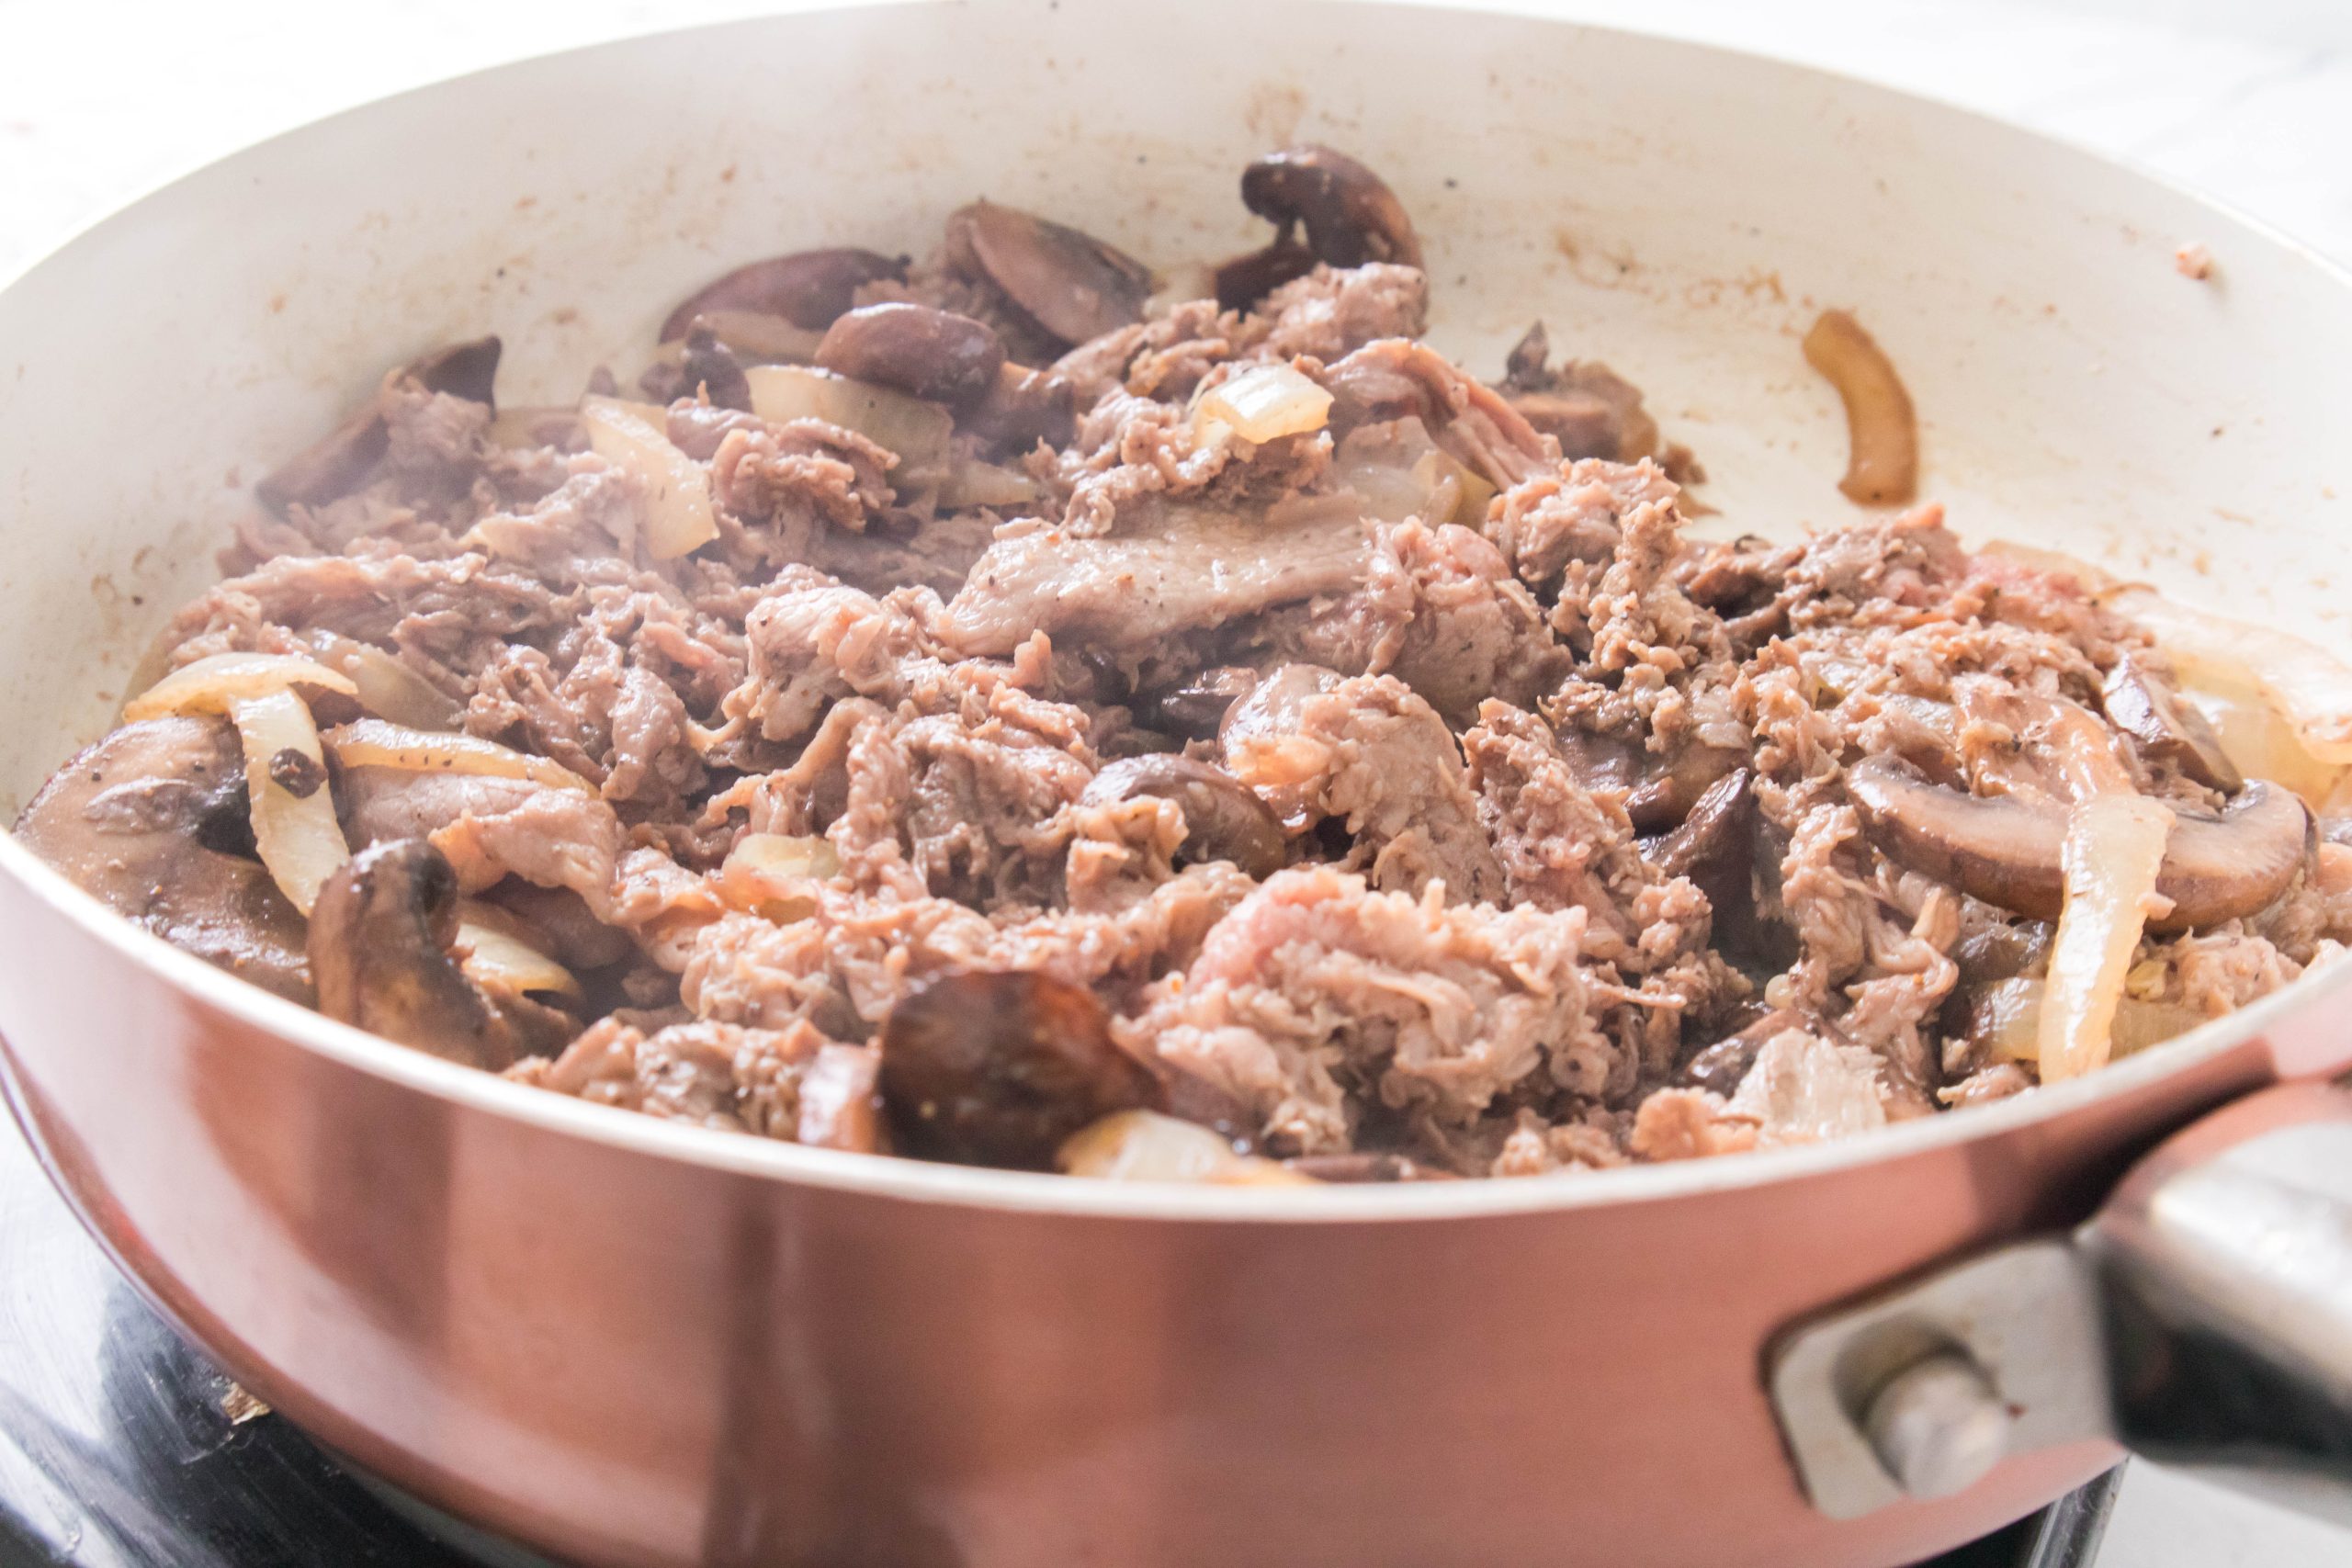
[631, 1343]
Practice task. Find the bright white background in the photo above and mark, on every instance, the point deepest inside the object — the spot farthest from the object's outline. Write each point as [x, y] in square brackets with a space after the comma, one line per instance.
[2248, 99]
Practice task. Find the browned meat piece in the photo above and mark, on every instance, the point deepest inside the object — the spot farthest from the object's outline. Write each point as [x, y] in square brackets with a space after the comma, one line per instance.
[1369, 754]
[1317, 988]
[1573, 515]
[1200, 568]
[1587, 408]
[1398, 377]
[778, 485]
[491, 828]
[151, 822]
[789, 1083]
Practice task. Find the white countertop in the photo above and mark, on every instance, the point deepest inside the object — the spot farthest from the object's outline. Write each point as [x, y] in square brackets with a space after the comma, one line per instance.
[2249, 100]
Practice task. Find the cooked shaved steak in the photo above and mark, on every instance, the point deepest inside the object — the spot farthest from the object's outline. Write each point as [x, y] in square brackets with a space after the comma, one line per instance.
[1260, 718]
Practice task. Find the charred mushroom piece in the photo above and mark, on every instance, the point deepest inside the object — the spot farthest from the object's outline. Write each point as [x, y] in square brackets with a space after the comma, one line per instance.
[1250, 276]
[1351, 215]
[809, 288]
[2006, 851]
[998, 1068]
[152, 821]
[1224, 820]
[1069, 283]
[712, 371]
[2166, 729]
[1196, 709]
[1024, 408]
[918, 350]
[1715, 848]
[380, 937]
[341, 461]
[1720, 1066]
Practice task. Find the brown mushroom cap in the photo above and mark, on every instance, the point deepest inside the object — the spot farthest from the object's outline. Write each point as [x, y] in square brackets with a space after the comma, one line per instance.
[809, 288]
[921, 351]
[1224, 820]
[2166, 729]
[1351, 215]
[1069, 283]
[2006, 851]
[1196, 709]
[152, 822]
[380, 945]
[998, 1068]
[1024, 408]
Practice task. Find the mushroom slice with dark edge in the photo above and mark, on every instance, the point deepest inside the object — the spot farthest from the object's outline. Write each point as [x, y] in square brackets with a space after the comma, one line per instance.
[999, 1066]
[380, 942]
[2006, 851]
[1715, 848]
[1224, 820]
[153, 822]
[1719, 1067]
[1069, 283]
[1024, 408]
[340, 462]
[1349, 214]
[915, 349]
[1196, 709]
[2165, 728]
[809, 288]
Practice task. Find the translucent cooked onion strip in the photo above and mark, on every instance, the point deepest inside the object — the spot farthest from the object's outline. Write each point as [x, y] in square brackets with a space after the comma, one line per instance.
[1265, 403]
[497, 957]
[213, 685]
[914, 431]
[372, 743]
[295, 830]
[635, 437]
[1143, 1145]
[1882, 433]
[2008, 1021]
[974, 483]
[385, 686]
[770, 873]
[2311, 687]
[2114, 848]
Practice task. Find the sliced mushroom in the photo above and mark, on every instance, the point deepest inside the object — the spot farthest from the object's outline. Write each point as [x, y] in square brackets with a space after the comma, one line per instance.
[1250, 276]
[152, 821]
[1660, 793]
[2006, 849]
[918, 350]
[998, 1068]
[1720, 1066]
[2166, 729]
[1024, 408]
[379, 943]
[808, 289]
[1350, 214]
[1715, 848]
[1587, 408]
[341, 461]
[1223, 819]
[1196, 709]
[1069, 283]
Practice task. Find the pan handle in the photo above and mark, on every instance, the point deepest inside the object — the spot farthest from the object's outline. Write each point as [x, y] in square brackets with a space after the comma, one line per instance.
[2225, 1264]
[2202, 1317]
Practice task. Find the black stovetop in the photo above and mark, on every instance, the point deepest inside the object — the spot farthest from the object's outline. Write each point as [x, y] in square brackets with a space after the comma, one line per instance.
[121, 1446]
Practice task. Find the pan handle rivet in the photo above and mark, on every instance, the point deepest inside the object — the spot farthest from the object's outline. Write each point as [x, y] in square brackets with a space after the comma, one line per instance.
[1938, 1426]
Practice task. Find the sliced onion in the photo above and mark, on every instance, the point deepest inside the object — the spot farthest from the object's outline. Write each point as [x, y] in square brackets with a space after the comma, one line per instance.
[634, 437]
[496, 956]
[914, 431]
[372, 743]
[1882, 433]
[385, 686]
[1457, 492]
[1264, 403]
[2114, 848]
[2257, 739]
[754, 337]
[2311, 687]
[297, 835]
[1143, 1145]
[770, 873]
[213, 685]
[984, 484]
[2008, 1018]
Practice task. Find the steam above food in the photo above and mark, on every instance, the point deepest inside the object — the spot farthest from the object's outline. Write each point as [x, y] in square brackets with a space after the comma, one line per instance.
[956, 708]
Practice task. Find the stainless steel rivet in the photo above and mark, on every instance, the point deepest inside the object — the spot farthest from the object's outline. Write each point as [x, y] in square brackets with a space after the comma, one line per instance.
[1938, 1426]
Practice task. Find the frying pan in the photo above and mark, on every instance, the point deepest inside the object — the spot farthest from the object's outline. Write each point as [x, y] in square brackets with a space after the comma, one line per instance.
[635, 1343]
